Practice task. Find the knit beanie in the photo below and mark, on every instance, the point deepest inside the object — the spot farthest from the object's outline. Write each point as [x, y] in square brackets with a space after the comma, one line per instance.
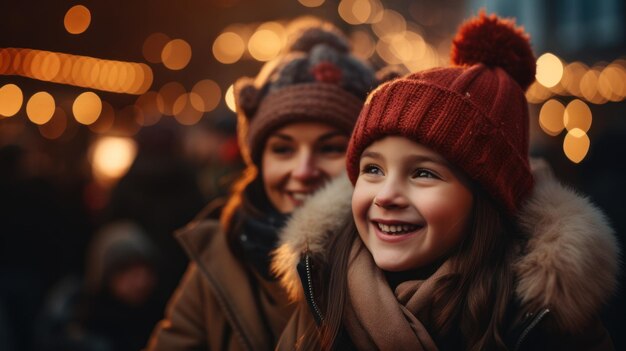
[316, 80]
[474, 113]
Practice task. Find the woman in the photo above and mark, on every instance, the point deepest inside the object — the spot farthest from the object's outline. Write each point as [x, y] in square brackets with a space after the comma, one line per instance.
[294, 121]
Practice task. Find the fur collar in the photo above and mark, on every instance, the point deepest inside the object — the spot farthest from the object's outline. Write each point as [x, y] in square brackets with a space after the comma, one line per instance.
[569, 265]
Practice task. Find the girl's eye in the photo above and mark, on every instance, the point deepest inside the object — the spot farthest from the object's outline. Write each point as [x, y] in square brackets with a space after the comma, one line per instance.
[424, 173]
[371, 169]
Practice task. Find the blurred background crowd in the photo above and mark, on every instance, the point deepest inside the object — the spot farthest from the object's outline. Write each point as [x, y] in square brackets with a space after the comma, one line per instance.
[117, 128]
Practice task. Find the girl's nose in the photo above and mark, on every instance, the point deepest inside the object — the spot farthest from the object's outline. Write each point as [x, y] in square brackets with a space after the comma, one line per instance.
[391, 195]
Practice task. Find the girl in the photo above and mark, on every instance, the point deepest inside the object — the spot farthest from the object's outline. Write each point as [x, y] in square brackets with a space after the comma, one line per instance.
[294, 123]
[452, 243]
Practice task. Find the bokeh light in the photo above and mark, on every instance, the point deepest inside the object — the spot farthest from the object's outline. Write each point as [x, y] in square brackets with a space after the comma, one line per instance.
[576, 145]
[311, 3]
[551, 117]
[549, 70]
[184, 112]
[111, 157]
[11, 99]
[577, 115]
[229, 98]
[228, 47]
[77, 19]
[176, 54]
[572, 74]
[205, 95]
[169, 93]
[153, 46]
[87, 108]
[265, 44]
[40, 107]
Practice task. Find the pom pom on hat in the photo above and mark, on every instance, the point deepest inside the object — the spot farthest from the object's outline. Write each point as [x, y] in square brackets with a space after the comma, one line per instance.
[495, 42]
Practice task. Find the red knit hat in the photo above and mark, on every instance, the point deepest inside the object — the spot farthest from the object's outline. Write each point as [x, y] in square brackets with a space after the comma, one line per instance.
[475, 113]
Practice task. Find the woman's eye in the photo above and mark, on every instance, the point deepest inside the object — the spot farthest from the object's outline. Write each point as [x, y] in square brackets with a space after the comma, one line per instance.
[281, 149]
[371, 169]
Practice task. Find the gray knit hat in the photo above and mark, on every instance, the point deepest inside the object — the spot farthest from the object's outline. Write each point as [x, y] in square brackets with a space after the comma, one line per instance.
[316, 80]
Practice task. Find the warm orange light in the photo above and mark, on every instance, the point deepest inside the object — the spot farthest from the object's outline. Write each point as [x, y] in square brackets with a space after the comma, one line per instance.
[391, 23]
[577, 116]
[170, 93]
[87, 108]
[77, 19]
[11, 99]
[551, 117]
[176, 54]
[228, 47]
[82, 71]
[184, 112]
[264, 45]
[111, 157]
[40, 107]
[346, 13]
[205, 95]
[311, 3]
[549, 70]
[229, 97]
[572, 75]
[576, 145]
[5, 60]
[153, 46]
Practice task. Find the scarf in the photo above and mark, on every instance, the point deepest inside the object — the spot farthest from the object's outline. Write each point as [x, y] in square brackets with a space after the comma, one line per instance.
[378, 318]
[258, 237]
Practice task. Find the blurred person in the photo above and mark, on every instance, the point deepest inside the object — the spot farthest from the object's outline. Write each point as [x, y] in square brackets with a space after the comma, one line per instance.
[294, 121]
[160, 193]
[114, 307]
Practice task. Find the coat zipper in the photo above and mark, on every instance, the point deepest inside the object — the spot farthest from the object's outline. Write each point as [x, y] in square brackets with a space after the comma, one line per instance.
[311, 297]
[530, 327]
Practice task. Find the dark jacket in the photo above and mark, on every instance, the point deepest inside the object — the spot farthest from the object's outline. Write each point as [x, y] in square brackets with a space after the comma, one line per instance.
[220, 303]
[565, 274]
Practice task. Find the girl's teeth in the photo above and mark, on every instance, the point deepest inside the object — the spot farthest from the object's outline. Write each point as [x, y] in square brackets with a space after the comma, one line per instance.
[396, 229]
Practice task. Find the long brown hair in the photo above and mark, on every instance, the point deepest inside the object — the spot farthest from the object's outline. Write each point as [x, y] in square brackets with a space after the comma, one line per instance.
[470, 304]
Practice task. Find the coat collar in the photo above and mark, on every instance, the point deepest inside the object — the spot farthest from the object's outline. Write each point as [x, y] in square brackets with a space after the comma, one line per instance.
[569, 264]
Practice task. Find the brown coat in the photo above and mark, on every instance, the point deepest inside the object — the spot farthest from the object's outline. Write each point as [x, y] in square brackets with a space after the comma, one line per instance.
[565, 275]
[219, 304]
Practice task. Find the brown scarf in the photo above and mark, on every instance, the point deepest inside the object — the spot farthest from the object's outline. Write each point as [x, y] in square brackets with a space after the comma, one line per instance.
[378, 318]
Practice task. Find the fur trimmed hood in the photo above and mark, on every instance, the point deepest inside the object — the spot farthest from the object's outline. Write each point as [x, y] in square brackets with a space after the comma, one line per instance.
[570, 262]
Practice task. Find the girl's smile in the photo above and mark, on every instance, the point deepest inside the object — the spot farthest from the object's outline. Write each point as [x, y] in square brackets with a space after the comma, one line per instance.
[410, 207]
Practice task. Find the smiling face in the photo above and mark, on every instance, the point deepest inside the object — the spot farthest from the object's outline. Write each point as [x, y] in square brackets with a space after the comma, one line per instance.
[410, 207]
[298, 159]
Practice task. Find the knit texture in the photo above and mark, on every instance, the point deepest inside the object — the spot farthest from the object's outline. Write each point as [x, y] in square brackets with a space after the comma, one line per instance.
[316, 80]
[475, 115]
